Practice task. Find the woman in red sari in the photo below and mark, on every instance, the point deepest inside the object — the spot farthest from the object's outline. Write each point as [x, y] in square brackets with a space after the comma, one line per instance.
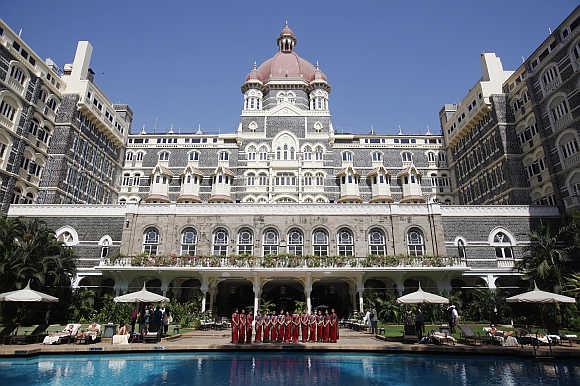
[273, 328]
[235, 326]
[304, 326]
[259, 324]
[281, 327]
[326, 332]
[266, 324]
[295, 328]
[249, 327]
[319, 326]
[288, 329]
[312, 325]
[242, 328]
[333, 326]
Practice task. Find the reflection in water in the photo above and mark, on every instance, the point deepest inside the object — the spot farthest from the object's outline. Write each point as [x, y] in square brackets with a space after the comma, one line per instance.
[280, 369]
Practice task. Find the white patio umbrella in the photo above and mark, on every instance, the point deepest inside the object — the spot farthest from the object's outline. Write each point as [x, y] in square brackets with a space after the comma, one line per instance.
[142, 296]
[538, 296]
[27, 295]
[422, 297]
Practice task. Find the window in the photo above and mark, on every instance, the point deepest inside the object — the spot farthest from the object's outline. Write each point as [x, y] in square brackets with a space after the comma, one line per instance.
[345, 242]
[319, 179]
[431, 157]
[347, 156]
[188, 241]
[164, 156]
[270, 242]
[415, 242]
[318, 153]
[129, 156]
[250, 179]
[559, 109]
[307, 153]
[7, 109]
[263, 153]
[320, 242]
[224, 156]
[245, 242]
[251, 153]
[503, 246]
[127, 180]
[377, 156]
[307, 179]
[105, 248]
[220, 242]
[377, 242]
[194, 156]
[17, 74]
[263, 179]
[407, 156]
[570, 148]
[461, 252]
[549, 77]
[151, 241]
[295, 242]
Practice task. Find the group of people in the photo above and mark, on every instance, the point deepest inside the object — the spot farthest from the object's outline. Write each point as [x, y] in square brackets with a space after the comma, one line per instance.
[285, 327]
[419, 321]
[152, 319]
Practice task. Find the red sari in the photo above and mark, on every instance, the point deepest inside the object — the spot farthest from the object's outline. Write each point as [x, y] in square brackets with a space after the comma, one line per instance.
[304, 326]
[312, 324]
[235, 325]
[288, 329]
[249, 327]
[295, 328]
[333, 328]
[281, 328]
[259, 323]
[242, 329]
[320, 327]
[326, 332]
[273, 329]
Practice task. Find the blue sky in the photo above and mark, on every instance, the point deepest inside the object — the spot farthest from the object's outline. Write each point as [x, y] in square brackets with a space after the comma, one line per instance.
[390, 63]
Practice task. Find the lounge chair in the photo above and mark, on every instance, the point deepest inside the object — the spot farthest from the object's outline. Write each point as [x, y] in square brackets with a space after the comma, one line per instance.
[66, 336]
[441, 338]
[92, 334]
[466, 334]
[24, 335]
[410, 334]
[152, 337]
[5, 333]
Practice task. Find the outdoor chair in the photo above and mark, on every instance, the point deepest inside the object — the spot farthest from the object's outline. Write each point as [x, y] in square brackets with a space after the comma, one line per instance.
[66, 336]
[437, 337]
[6, 333]
[23, 335]
[87, 336]
[410, 334]
[151, 337]
[467, 335]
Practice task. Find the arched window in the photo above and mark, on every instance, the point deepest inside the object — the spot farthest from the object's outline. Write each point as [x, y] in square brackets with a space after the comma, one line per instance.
[270, 242]
[415, 242]
[307, 179]
[263, 179]
[295, 242]
[188, 241]
[345, 242]
[220, 242]
[194, 156]
[164, 156]
[319, 179]
[377, 156]
[550, 79]
[18, 75]
[318, 153]
[461, 250]
[377, 242]
[320, 242]
[559, 109]
[431, 156]
[224, 156]
[503, 246]
[407, 156]
[8, 109]
[140, 156]
[347, 156]
[67, 235]
[151, 241]
[245, 242]
[129, 156]
[127, 180]
[263, 153]
[105, 244]
[250, 179]
[307, 154]
[251, 153]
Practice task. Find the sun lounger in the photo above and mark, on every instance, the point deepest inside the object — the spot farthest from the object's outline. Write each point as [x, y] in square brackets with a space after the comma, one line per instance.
[468, 335]
[65, 336]
[441, 338]
[90, 335]
[6, 333]
[151, 337]
[24, 335]
[121, 339]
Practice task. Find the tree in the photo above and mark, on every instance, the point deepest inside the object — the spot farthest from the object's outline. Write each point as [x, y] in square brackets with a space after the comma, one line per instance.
[29, 251]
[544, 260]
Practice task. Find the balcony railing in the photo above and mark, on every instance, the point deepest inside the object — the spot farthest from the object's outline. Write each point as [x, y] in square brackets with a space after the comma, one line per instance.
[505, 263]
[284, 261]
[572, 161]
[6, 122]
[553, 85]
[16, 85]
[562, 122]
[572, 202]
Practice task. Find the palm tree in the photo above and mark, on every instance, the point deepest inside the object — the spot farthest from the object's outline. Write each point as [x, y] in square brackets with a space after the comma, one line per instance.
[572, 285]
[545, 256]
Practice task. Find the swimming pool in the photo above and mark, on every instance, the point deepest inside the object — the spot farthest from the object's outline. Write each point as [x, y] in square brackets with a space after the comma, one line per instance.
[280, 368]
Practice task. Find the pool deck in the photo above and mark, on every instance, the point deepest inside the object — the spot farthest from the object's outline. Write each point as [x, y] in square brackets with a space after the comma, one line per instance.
[350, 341]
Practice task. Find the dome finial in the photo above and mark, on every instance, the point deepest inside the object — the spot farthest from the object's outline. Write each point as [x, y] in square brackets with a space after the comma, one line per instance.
[255, 66]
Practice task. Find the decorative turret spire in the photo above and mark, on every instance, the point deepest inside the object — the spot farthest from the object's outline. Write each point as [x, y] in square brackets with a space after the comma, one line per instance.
[287, 40]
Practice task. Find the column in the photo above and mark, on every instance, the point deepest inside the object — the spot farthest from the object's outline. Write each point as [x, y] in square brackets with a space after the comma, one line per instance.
[400, 283]
[257, 292]
[203, 288]
[360, 287]
[444, 285]
[308, 292]
[212, 294]
[164, 286]
[490, 280]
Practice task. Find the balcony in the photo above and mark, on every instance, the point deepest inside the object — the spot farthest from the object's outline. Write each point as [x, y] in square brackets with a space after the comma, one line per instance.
[562, 123]
[16, 86]
[284, 262]
[506, 263]
[571, 162]
[7, 123]
[572, 202]
[552, 86]
[49, 113]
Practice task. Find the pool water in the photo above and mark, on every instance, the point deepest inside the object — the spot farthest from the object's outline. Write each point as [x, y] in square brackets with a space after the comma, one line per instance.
[283, 368]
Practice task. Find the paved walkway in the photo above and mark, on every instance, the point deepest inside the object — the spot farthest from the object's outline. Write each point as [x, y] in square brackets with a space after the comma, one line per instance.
[349, 341]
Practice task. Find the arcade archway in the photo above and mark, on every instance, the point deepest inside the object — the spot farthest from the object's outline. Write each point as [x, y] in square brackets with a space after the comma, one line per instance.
[284, 295]
[234, 294]
[332, 294]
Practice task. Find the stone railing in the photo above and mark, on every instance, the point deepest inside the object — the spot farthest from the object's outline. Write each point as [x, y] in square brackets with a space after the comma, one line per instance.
[283, 261]
[505, 263]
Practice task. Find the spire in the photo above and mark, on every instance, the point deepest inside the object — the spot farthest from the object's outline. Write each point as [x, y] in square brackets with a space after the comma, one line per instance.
[287, 40]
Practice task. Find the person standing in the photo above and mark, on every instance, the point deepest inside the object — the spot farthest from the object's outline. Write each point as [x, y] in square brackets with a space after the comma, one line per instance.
[312, 326]
[295, 327]
[242, 328]
[167, 318]
[419, 323]
[281, 327]
[134, 315]
[273, 328]
[249, 327]
[259, 326]
[319, 326]
[333, 326]
[235, 326]
[326, 333]
[374, 321]
[304, 326]
[158, 319]
[288, 328]
[453, 318]
[147, 319]
[367, 320]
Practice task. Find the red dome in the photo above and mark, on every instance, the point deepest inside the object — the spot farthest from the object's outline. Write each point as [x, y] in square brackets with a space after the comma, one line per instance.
[286, 65]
